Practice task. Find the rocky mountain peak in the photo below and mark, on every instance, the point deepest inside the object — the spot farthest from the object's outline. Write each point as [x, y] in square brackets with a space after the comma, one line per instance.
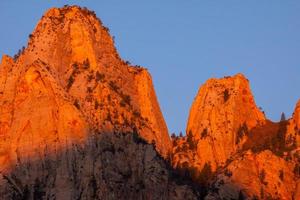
[78, 122]
[233, 148]
[70, 80]
[229, 98]
[220, 118]
[71, 34]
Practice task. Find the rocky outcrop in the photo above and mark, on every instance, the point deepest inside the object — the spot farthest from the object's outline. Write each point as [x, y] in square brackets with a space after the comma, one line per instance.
[257, 176]
[107, 166]
[78, 122]
[293, 130]
[67, 81]
[149, 107]
[233, 150]
[221, 115]
[36, 115]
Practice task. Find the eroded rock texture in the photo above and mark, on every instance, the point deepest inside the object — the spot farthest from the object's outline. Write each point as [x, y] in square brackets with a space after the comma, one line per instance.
[67, 81]
[260, 175]
[107, 166]
[66, 99]
[232, 150]
[221, 115]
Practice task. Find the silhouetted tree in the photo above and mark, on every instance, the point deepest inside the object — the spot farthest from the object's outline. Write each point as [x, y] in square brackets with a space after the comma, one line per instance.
[173, 135]
[20, 52]
[180, 134]
[282, 118]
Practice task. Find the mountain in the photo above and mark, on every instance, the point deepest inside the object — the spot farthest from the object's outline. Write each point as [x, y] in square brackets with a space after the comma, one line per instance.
[70, 80]
[106, 166]
[78, 122]
[233, 150]
[222, 113]
[70, 85]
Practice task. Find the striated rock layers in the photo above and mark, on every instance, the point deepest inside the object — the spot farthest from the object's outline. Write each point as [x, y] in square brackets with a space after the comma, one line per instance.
[68, 81]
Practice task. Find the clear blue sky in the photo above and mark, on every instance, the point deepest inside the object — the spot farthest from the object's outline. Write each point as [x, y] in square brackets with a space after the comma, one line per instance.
[183, 43]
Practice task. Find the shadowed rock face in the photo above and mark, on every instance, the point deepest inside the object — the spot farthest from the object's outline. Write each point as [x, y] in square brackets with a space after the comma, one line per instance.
[68, 80]
[106, 166]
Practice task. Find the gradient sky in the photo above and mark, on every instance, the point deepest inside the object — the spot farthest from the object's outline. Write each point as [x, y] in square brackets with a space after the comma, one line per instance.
[184, 43]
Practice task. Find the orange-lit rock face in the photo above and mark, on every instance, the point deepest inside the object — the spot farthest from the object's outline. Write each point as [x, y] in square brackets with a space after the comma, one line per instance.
[222, 113]
[36, 116]
[69, 83]
[67, 35]
[293, 130]
[149, 108]
[68, 80]
[256, 158]
[260, 176]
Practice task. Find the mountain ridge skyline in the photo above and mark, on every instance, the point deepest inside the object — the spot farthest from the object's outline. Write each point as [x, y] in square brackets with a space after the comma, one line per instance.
[167, 92]
[79, 122]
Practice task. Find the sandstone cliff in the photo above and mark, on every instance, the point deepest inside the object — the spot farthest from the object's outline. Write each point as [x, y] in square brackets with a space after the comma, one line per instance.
[293, 130]
[233, 150]
[257, 176]
[36, 115]
[267, 166]
[220, 117]
[70, 80]
[106, 166]
[76, 122]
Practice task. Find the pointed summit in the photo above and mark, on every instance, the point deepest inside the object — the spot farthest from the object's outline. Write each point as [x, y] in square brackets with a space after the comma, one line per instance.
[71, 34]
[69, 83]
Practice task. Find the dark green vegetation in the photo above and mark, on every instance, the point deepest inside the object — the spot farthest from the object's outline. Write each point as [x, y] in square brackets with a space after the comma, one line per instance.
[191, 141]
[243, 130]
[226, 95]
[270, 136]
